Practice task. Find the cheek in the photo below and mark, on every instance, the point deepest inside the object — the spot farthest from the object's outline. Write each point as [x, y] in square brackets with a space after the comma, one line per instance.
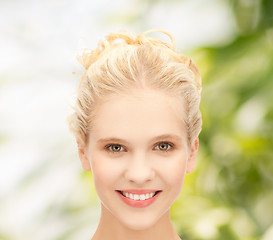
[105, 172]
[176, 180]
[174, 171]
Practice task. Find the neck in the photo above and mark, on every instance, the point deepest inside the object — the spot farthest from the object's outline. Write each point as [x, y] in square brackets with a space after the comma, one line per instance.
[111, 228]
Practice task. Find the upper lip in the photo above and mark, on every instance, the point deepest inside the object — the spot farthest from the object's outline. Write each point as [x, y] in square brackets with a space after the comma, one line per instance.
[140, 191]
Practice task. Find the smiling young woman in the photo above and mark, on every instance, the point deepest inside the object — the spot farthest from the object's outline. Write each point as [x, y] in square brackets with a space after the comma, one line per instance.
[137, 122]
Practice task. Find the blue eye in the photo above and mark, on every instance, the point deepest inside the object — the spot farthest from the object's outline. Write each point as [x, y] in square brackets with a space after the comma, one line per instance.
[115, 148]
[164, 146]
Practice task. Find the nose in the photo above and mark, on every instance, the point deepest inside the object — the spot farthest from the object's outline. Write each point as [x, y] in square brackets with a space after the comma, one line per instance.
[139, 169]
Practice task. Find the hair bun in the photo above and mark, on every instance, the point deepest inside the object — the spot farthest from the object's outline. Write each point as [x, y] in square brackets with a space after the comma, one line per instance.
[88, 56]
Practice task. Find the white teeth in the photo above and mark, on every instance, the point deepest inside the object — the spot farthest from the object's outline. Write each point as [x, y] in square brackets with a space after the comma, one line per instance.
[137, 196]
[142, 197]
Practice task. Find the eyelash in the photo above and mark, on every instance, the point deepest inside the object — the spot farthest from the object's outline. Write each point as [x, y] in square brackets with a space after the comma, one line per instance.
[107, 147]
[170, 147]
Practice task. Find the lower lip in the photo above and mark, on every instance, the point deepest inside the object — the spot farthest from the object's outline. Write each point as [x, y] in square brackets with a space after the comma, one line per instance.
[138, 203]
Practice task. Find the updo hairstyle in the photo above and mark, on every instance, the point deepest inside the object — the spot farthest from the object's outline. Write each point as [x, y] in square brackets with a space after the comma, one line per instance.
[124, 61]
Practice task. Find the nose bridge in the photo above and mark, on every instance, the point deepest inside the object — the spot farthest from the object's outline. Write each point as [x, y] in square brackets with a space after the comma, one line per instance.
[139, 168]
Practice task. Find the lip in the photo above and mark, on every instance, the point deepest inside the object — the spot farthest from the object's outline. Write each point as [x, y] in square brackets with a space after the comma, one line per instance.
[139, 203]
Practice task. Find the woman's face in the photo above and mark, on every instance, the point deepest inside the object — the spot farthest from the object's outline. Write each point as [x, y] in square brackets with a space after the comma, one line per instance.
[138, 142]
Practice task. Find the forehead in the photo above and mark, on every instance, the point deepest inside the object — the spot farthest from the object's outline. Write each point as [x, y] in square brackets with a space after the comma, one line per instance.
[139, 114]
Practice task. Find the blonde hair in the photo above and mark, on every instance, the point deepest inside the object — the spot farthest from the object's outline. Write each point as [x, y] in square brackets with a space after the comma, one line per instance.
[123, 61]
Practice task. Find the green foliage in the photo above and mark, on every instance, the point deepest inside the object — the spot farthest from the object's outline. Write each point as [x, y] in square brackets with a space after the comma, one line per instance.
[231, 193]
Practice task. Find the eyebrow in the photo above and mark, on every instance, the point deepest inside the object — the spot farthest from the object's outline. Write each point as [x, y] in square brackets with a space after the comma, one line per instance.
[157, 138]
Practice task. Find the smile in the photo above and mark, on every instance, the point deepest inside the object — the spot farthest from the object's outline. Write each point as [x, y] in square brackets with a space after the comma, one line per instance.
[134, 199]
[140, 197]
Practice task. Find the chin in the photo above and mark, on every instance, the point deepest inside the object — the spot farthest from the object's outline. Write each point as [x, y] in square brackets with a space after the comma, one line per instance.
[139, 223]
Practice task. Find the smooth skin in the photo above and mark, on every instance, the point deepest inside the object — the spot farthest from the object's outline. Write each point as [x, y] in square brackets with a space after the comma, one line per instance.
[138, 141]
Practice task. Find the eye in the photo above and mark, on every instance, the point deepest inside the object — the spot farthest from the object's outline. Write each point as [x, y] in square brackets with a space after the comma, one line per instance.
[115, 148]
[164, 146]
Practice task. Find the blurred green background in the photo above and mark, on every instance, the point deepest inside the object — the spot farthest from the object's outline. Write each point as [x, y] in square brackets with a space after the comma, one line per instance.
[44, 194]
